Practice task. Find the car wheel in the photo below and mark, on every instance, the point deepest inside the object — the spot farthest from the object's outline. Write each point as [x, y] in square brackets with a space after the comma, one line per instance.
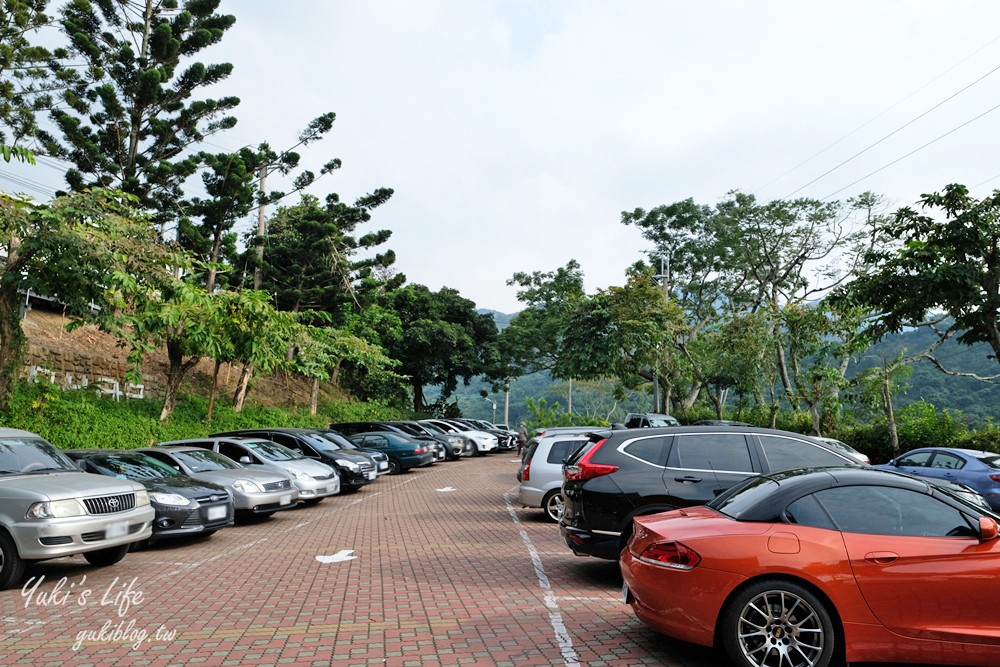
[105, 557]
[394, 467]
[776, 623]
[11, 565]
[553, 505]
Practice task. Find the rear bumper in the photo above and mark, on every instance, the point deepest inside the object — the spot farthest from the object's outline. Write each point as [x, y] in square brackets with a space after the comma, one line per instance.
[587, 543]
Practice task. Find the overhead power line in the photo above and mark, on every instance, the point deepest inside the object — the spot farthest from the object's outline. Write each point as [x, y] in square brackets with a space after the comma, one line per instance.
[954, 129]
[876, 116]
[897, 130]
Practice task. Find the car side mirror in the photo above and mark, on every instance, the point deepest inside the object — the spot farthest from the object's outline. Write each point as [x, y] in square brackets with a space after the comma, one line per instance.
[988, 528]
[245, 459]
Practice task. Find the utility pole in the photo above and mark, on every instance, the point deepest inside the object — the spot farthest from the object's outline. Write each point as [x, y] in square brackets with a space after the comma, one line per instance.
[506, 405]
[261, 227]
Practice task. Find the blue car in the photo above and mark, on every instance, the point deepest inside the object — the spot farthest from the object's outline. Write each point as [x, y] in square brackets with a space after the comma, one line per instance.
[975, 469]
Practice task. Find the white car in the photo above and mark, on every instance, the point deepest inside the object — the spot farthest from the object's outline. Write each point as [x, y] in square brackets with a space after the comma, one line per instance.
[485, 442]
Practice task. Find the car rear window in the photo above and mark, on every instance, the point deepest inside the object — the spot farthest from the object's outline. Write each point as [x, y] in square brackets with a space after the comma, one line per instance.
[562, 449]
[992, 460]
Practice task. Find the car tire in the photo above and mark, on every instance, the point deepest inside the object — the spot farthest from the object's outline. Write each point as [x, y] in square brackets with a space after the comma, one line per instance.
[11, 565]
[552, 503]
[761, 627]
[105, 557]
[394, 467]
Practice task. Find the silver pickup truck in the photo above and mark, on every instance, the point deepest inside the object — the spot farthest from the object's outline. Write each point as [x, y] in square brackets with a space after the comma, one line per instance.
[50, 508]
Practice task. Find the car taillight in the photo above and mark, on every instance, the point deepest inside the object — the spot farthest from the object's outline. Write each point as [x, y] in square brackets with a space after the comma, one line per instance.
[526, 471]
[995, 477]
[671, 554]
[584, 469]
[419, 450]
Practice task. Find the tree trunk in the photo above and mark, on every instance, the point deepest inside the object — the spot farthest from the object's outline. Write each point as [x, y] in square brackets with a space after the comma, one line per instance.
[890, 416]
[418, 396]
[175, 375]
[242, 386]
[314, 397]
[12, 344]
[213, 391]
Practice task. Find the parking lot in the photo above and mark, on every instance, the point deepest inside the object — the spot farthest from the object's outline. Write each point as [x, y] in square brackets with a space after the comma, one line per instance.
[434, 567]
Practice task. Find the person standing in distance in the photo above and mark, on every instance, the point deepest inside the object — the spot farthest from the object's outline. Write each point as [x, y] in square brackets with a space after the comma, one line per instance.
[522, 437]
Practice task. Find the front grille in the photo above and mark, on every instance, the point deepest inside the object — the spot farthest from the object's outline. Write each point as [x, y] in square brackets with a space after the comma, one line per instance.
[110, 504]
[379, 456]
[278, 486]
[367, 466]
[55, 541]
[214, 498]
[320, 478]
[193, 520]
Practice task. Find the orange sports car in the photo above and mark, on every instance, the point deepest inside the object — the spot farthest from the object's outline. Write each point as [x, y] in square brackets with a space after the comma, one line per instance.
[807, 568]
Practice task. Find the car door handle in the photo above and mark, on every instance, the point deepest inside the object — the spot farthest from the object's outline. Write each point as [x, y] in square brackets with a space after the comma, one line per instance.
[688, 478]
[881, 557]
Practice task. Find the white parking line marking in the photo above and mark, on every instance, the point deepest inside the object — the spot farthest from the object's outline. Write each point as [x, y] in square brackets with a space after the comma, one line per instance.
[447, 489]
[551, 601]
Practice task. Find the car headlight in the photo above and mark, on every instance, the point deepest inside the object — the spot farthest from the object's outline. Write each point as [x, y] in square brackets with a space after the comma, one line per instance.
[454, 439]
[350, 465]
[141, 498]
[51, 509]
[246, 486]
[168, 498]
[297, 474]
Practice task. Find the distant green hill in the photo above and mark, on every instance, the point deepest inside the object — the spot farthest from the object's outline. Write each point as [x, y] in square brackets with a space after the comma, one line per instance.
[977, 401]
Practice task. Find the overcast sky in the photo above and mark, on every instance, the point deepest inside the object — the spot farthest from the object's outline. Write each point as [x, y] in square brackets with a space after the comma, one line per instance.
[515, 132]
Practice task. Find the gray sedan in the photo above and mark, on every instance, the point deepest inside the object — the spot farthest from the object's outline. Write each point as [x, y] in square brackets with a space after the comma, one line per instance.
[255, 492]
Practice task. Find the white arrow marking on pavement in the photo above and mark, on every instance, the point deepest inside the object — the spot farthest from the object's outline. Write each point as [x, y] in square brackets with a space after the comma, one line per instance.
[447, 489]
[339, 557]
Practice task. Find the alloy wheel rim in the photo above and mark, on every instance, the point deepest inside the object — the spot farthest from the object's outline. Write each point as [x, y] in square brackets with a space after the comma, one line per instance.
[555, 506]
[780, 629]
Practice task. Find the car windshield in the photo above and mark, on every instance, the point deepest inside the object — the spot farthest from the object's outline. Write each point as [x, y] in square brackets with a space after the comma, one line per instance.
[204, 460]
[26, 454]
[272, 451]
[431, 429]
[130, 465]
[321, 440]
[334, 441]
[737, 499]
[662, 421]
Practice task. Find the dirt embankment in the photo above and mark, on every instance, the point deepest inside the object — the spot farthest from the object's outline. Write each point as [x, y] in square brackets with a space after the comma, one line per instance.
[86, 351]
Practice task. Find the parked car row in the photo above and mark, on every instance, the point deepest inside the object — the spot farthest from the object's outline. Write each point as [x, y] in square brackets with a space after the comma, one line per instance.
[100, 503]
[781, 549]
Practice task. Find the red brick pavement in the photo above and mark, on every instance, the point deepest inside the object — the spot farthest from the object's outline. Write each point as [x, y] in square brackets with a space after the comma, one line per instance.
[460, 577]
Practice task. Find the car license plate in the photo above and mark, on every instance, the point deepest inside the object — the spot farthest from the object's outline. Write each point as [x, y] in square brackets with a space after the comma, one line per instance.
[370, 475]
[284, 500]
[217, 512]
[116, 529]
[625, 592]
[383, 465]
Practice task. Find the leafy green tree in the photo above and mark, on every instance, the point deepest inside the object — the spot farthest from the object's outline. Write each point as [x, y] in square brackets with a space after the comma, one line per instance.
[69, 249]
[534, 339]
[311, 263]
[442, 339]
[134, 117]
[938, 271]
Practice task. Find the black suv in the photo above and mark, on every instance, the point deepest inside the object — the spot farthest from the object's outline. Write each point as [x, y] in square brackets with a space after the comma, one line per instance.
[618, 475]
[355, 468]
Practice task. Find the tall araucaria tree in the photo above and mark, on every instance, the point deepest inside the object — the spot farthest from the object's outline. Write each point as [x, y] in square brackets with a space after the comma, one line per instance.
[133, 119]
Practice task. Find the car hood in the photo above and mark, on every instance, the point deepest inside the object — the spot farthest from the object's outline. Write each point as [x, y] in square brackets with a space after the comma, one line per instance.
[227, 477]
[307, 466]
[68, 484]
[182, 485]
